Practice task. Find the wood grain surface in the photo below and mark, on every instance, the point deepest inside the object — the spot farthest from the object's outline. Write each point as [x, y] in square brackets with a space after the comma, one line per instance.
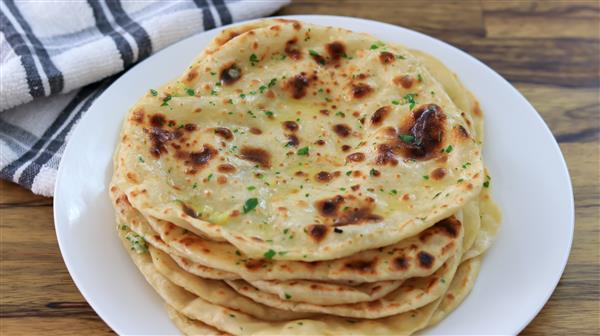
[550, 50]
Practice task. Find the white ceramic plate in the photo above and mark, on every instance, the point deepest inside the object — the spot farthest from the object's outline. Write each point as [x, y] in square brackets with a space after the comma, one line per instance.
[530, 182]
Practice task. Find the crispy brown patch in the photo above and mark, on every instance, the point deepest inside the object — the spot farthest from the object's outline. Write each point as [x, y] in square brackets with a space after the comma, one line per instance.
[298, 85]
[342, 130]
[407, 81]
[190, 127]
[386, 154]
[375, 305]
[192, 74]
[230, 74]
[386, 57]
[138, 115]
[254, 264]
[255, 130]
[356, 157]
[291, 126]
[323, 177]
[329, 207]
[379, 116]
[158, 120]
[159, 139]
[291, 51]
[226, 168]
[438, 173]
[450, 226]
[293, 140]
[336, 51]
[200, 158]
[224, 133]
[361, 90]
[425, 259]
[257, 155]
[317, 232]
[425, 127]
[346, 148]
[401, 263]
[362, 266]
[357, 216]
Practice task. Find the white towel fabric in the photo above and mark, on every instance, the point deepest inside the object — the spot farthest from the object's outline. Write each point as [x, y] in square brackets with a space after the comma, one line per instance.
[54, 53]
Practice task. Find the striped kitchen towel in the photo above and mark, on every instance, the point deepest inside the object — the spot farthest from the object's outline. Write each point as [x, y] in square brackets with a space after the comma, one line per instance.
[57, 56]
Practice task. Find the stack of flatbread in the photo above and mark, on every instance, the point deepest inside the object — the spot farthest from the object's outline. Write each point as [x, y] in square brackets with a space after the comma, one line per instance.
[301, 179]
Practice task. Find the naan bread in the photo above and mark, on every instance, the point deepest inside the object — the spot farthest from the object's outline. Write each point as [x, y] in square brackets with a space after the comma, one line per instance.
[271, 140]
[414, 257]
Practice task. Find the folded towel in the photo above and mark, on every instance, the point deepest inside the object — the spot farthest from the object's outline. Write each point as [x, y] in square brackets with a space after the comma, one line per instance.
[58, 56]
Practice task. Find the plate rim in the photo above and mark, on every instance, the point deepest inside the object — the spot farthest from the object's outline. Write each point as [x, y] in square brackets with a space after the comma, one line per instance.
[546, 129]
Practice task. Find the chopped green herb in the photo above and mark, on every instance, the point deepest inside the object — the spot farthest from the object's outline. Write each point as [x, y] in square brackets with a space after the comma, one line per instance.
[448, 149]
[312, 52]
[212, 73]
[153, 92]
[231, 315]
[209, 177]
[400, 57]
[419, 78]
[342, 189]
[166, 100]
[394, 192]
[348, 172]
[486, 184]
[340, 114]
[395, 102]
[242, 95]
[425, 177]
[466, 164]
[250, 188]
[302, 151]
[141, 159]
[238, 253]
[436, 195]
[230, 101]
[287, 296]
[272, 83]
[262, 88]
[372, 172]
[138, 244]
[459, 180]
[253, 59]
[410, 99]
[269, 254]
[407, 138]
[250, 204]
[269, 113]
[285, 231]
[195, 185]
[190, 92]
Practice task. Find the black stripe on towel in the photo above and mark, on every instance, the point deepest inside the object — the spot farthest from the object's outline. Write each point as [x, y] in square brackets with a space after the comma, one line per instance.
[105, 28]
[55, 77]
[34, 81]
[142, 39]
[207, 18]
[223, 11]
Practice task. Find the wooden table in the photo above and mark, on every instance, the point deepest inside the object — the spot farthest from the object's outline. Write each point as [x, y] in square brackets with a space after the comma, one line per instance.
[550, 50]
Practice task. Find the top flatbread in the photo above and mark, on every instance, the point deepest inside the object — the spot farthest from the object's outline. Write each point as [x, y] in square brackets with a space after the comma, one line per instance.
[300, 142]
